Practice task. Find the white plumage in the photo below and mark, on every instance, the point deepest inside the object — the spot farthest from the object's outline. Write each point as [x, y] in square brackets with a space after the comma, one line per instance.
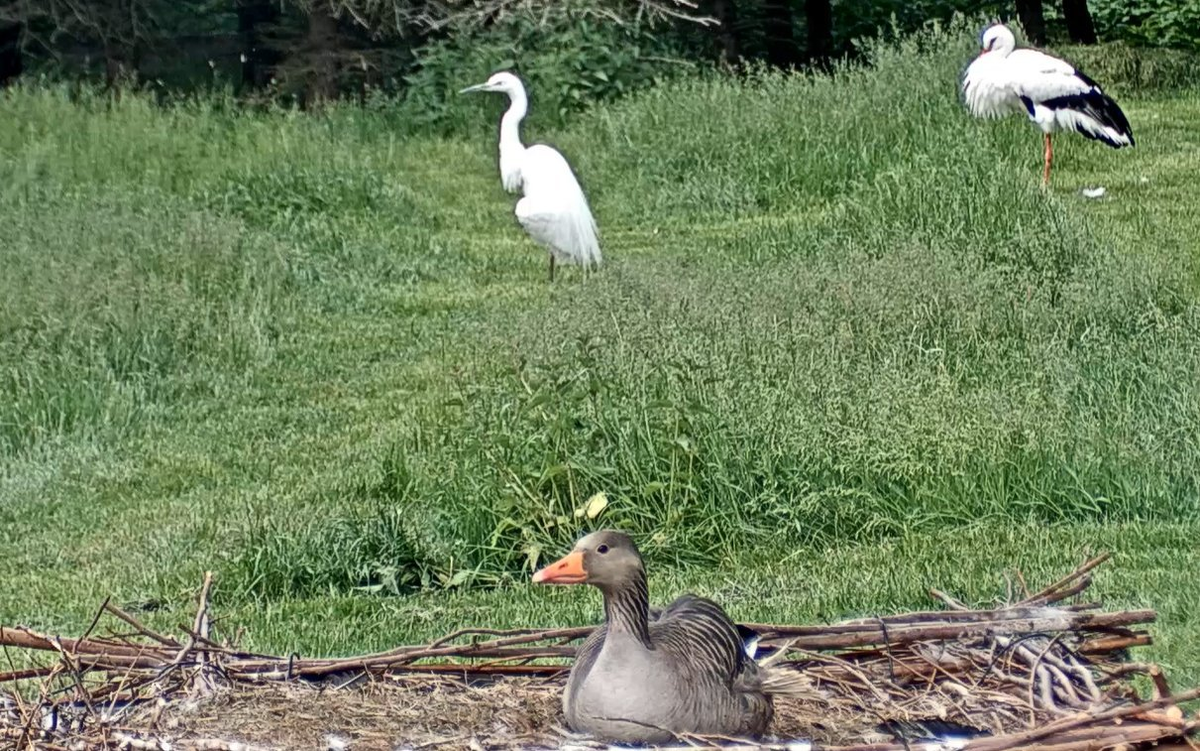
[1054, 95]
[553, 209]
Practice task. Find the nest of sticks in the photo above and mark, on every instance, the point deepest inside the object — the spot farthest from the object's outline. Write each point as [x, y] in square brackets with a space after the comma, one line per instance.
[1046, 672]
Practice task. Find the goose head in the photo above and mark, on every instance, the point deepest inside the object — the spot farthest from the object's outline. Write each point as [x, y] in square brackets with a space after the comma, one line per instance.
[607, 559]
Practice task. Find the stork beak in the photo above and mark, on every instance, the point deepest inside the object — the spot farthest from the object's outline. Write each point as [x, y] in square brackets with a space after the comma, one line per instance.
[476, 87]
[566, 570]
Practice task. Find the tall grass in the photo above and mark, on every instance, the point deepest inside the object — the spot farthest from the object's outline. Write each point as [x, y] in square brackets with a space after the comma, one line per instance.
[856, 316]
[110, 302]
[836, 310]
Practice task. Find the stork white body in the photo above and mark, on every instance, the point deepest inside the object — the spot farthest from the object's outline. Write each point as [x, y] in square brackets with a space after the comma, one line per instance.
[553, 209]
[1055, 96]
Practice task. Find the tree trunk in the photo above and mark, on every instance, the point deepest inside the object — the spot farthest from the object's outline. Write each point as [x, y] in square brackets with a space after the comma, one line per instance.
[819, 16]
[11, 63]
[258, 58]
[121, 63]
[322, 50]
[779, 26]
[1033, 20]
[1079, 21]
[725, 11]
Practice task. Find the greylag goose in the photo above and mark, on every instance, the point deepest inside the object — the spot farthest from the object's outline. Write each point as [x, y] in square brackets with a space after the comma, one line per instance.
[646, 677]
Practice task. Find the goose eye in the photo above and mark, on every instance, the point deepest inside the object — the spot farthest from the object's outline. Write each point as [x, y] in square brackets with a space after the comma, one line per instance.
[602, 549]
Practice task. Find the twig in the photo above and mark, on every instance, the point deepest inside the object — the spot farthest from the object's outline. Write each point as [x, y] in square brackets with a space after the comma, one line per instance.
[202, 678]
[1016, 740]
[141, 629]
[1049, 593]
[949, 601]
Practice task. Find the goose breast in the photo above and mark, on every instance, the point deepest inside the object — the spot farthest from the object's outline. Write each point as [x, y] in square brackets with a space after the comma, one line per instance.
[694, 677]
[625, 704]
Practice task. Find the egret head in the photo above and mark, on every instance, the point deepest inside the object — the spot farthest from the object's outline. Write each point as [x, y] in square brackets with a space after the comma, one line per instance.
[998, 38]
[503, 82]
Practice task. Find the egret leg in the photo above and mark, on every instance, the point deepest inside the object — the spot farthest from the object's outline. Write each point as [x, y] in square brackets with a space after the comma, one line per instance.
[1049, 156]
[551, 267]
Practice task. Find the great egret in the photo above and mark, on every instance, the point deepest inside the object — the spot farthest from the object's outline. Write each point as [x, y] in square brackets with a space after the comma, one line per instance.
[553, 210]
[1053, 94]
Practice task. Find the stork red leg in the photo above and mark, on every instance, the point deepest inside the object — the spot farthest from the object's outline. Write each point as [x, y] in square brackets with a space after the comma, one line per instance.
[1049, 156]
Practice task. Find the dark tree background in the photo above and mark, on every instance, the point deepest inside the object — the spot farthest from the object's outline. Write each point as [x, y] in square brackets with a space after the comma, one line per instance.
[1033, 18]
[11, 63]
[317, 50]
[1079, 22]
[259, 57]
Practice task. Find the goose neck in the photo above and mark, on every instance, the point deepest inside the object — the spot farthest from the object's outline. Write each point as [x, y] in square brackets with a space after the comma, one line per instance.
[626, 608]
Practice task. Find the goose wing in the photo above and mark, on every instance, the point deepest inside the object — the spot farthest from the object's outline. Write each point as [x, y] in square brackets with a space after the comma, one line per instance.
[724, 685]
[699, 629]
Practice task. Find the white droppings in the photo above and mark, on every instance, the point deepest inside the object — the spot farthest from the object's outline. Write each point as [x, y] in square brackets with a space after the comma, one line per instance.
[751, 646]
[336, 743]
[1096, 192]
[948, 743]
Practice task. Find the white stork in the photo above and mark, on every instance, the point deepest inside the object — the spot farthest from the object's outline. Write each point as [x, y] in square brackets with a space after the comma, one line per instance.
[1004, 79]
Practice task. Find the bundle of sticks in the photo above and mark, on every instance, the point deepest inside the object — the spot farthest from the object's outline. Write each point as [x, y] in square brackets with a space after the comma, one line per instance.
[1038, 673]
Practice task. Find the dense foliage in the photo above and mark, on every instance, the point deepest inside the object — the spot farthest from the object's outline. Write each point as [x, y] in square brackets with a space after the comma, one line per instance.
[568, 62]
[1156, 23]
[575, 52]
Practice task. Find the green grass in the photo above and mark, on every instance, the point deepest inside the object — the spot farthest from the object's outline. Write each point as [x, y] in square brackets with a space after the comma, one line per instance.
[833, 359]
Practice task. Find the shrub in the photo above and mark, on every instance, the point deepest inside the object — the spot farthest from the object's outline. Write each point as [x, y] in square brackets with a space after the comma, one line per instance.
[569, 62]
[1125, 68]
[1152, 23]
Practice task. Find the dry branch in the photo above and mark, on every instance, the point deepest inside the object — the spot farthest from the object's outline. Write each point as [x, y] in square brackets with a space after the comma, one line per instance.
[1038, 673]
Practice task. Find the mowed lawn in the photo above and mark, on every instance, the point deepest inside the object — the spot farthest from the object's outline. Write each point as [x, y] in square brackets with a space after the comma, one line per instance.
[839, 354]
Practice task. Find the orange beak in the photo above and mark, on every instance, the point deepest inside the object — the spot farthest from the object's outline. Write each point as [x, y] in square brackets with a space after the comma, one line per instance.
[566, 570]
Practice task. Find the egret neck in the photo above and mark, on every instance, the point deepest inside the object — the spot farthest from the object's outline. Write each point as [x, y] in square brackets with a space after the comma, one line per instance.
[511, 148]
